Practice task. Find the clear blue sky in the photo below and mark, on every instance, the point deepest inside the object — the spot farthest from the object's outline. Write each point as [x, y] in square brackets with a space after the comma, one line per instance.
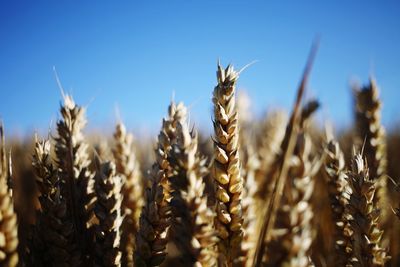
[136, 54]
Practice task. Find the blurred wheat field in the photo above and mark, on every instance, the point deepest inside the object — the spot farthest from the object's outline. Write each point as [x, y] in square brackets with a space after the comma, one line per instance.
[279, 191]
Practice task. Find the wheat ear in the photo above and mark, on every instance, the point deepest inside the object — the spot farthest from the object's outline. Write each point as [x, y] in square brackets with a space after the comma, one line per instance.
[367, 236]
[226, 169]
[194, 219]
[107, 209]
[293, 234]
[53, 226]
[77, 180]
[128, 168]
[154, 223]
[338, 191]
[372, 135]
[8, 217]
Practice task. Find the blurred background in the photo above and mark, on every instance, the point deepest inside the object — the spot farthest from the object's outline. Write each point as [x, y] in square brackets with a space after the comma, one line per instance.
[136, 55]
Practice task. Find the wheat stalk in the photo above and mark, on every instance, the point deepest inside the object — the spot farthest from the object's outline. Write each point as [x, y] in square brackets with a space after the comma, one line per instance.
[77, 180]
[8, 218]
[128, 167]
[367, 236]
[338, 190]
[53, 228]
[193, 218]
[226, 168]
[154, 222]
[107, 209]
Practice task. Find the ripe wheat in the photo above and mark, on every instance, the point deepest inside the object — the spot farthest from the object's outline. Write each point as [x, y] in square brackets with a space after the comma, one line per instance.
[267, 191]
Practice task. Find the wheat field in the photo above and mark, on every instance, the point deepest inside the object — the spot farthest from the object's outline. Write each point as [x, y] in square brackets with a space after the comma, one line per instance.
[279, 191]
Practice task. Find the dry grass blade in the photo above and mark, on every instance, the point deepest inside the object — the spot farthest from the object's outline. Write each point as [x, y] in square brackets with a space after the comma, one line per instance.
[8, 218]
[288, 145]
[132, 190]
[107, 209]
[77, 180]
[193, 218]
[367, 250]
[53, 227]
[338, 190]
[226, 168]
[155, 218]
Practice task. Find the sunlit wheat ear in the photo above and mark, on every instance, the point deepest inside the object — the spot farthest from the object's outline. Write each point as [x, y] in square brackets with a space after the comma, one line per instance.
[8, 218]
[128, 168]
[366, 239]
[77, 180]
[339, 192]
[371, 135]
[107, 209]
[226, 169]
[293, 234]
[53, 226]
[154, 223]
[193, 224]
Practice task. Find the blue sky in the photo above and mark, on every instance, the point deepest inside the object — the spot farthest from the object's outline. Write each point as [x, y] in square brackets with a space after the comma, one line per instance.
[135, 54]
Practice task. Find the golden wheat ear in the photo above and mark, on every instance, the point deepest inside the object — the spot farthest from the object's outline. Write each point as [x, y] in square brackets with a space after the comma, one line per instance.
[128, 168]
[293, 235]
[226, 169]
[107, 209]
[155, 219]
[77, 180]
[8, 217]
[366, 239]
[193, 219]
[339, 193]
